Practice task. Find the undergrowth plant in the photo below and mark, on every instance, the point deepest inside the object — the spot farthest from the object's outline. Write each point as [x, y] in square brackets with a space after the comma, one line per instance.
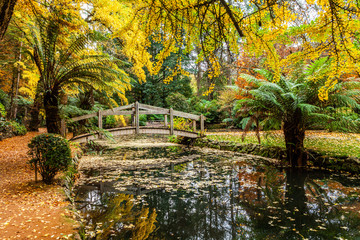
[50, 154]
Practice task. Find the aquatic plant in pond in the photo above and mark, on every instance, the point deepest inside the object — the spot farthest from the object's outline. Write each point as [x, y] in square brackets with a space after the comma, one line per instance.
[217, 195]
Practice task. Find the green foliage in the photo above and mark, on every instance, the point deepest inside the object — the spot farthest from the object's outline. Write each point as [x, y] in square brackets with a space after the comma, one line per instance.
[10, 129]
[2, 110]
[210, 109]
[72, 67]
[18, 129]
[343, 120]
[178, 102]
[50, 154]
[110, 121]
[4, 99]
[155, 91]
[142, 119]
[155, 117]
[296, 99]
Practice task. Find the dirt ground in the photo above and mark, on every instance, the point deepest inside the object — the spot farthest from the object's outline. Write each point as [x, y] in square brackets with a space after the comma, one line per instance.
[29, 209]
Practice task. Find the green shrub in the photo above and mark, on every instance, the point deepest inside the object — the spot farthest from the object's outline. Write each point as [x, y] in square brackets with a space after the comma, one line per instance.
[50, 154]
[9, 129]
[18, 129]
[110, 121]
[142, 120]
[177, 101]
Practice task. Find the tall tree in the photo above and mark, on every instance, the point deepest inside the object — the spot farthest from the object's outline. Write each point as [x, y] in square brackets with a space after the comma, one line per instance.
[292, 101]
[62, 68]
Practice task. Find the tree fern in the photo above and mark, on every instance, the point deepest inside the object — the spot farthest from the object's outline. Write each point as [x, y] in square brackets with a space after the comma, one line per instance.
[60, 67]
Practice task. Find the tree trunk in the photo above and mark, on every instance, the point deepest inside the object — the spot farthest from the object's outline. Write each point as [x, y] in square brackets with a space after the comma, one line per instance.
[15, 90]
[51, 105]
[6, 11]
[35, 110]
[294, 134]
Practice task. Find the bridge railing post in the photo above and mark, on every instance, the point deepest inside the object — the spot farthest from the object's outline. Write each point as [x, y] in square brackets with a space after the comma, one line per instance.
[133, 117]
[194, 125]
[202, 124]
[165, 120]
[171, 121]
[100, 123]
[137, 121]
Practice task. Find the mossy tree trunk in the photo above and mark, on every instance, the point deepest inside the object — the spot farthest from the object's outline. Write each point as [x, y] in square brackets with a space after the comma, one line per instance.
[294, 133]
[34, 112]
[52, 113]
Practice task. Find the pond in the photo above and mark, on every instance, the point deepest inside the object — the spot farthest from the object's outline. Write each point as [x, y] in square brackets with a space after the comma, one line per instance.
[180, 193]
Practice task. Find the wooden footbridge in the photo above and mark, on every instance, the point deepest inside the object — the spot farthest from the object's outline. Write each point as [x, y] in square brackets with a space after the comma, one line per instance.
[135, 110]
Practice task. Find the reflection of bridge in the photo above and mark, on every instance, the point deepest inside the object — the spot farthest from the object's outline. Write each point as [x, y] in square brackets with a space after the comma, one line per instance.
[135, 110]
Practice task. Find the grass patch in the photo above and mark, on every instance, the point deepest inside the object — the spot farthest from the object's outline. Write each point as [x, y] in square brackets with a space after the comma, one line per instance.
[330, 144]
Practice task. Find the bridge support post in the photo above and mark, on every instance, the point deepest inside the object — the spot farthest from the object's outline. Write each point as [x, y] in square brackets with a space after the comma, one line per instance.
[202, 124]
[100, 123]
[171, 121]
[137, 122]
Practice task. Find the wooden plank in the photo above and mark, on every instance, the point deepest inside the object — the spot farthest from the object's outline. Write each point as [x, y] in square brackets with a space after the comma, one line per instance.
[137, 120]
[161, 131]
[185, 134]
[171, 121]
[119, 113]
[131, 112]
[84, 137]
[149, 107]
[132, 130]
[84, 117]
[154, 112]
[140, 112]
[111, 111]
[186, 115]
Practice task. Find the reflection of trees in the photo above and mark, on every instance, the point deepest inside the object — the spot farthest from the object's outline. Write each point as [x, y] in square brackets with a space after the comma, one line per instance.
[249, 203]
[210, 214]
[294, 207]
[118, 216]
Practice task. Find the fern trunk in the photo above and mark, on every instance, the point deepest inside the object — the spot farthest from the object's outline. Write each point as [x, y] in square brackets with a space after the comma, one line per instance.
[294, 133]
[34, 112]
[51, 105]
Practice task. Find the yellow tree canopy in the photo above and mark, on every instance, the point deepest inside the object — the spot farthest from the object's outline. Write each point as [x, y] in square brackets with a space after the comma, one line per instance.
[320, 27]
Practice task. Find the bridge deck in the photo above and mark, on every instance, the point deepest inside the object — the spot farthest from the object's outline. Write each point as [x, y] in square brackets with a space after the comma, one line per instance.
[132, 130]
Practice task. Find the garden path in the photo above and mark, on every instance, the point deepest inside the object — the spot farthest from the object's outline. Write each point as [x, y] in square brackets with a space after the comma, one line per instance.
[29, 209]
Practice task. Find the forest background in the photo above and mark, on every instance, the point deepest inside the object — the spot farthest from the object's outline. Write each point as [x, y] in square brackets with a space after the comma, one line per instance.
[65, 58]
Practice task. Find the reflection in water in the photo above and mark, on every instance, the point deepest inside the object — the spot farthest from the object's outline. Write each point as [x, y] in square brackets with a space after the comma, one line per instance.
[222, 199]
[116, 216]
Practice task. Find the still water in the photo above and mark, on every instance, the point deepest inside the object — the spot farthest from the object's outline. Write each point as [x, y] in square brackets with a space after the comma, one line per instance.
[212, 194]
